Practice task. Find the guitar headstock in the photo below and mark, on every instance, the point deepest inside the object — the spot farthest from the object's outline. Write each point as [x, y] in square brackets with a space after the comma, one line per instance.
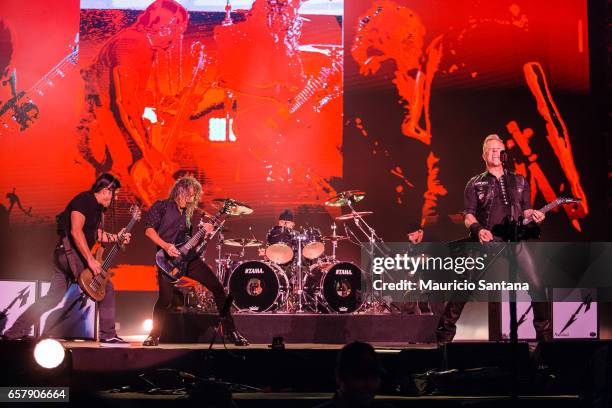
[567, 200]
[135, 212]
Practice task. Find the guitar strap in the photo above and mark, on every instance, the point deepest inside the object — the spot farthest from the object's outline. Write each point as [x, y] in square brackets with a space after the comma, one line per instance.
[74, 262]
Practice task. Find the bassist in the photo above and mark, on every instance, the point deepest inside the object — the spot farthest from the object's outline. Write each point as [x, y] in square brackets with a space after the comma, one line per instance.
[80, 228]
[167, 224]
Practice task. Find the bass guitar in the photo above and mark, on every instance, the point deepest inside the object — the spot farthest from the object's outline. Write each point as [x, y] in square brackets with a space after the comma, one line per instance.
[95, 285]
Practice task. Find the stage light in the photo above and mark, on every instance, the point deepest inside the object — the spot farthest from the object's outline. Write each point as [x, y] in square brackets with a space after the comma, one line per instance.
[148, 325]
[49, 353]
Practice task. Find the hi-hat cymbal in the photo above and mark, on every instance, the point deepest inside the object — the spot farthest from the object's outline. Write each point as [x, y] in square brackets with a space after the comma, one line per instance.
[242, 242]
[232, 207]
[346, 197]
[335, 238]
[354, 215]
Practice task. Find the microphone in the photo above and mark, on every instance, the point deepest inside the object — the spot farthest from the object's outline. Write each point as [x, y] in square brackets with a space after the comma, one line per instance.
[503, 157]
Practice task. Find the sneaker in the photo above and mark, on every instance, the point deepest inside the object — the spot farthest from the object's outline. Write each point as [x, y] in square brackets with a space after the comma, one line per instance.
[151, 341]
[114, 342]
[238, 339]
[24, 338]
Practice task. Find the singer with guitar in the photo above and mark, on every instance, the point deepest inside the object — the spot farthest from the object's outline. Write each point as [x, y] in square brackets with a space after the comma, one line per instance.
[80, 226]
[490, 198]
[167, 224]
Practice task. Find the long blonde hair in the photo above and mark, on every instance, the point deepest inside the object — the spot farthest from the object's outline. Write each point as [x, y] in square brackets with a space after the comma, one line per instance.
[181, 188]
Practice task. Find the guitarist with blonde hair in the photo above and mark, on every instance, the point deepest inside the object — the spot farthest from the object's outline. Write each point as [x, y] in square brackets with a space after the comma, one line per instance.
[490, 198]
[167, 224]
[80, 226]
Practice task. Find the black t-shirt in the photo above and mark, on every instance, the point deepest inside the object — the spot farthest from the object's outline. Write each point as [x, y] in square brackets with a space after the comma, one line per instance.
[86, 204]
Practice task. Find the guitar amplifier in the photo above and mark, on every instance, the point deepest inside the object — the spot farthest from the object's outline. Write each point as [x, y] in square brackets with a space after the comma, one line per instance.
[15, 297]
[73, 318]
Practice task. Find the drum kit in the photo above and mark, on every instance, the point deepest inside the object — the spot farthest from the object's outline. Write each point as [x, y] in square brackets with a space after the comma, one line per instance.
[293, 273]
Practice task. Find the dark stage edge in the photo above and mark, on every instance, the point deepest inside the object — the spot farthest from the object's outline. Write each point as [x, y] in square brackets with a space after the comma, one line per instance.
[308, 327]
[298, 375]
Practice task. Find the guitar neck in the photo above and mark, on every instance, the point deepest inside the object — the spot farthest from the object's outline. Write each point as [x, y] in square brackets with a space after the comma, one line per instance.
[543, 210]
[312, 87]
[115, 249]
[193, 242]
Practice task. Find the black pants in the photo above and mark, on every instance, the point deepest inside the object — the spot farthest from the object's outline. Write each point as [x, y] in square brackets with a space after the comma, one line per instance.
[60, 282]
[200, 272]
[542, 321]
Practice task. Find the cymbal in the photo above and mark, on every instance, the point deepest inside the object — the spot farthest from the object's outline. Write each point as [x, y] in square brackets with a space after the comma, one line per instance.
[354, 215]
[242, 242]
[232, 207]
[335, 238]
[345, 197]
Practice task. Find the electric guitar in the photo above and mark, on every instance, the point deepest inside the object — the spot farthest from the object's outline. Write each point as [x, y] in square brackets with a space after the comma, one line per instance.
[525, 228]
[95, 285]
[173, 268]
[21, 109]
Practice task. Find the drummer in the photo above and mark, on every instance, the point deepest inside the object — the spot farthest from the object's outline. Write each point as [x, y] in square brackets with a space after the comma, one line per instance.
[285, 219]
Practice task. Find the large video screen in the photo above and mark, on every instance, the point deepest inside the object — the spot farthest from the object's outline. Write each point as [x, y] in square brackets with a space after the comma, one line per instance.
[283, 104]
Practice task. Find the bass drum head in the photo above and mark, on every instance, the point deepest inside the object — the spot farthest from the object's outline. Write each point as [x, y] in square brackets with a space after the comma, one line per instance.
[256, 285]
[341, 287]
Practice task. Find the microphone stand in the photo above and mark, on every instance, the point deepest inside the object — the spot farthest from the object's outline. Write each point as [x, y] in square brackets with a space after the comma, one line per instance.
[512, 237]
[375, 244]
[222, 318]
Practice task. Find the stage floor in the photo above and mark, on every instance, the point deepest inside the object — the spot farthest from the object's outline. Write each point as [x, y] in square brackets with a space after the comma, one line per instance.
[135, 342]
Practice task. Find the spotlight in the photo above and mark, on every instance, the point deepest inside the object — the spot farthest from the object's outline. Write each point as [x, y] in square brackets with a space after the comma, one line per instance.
[148, 325]
[49, 353]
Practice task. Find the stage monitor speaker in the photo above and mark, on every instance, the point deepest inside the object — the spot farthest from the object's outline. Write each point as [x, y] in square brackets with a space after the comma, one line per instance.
[468, 355]
[576, 363]
[73, 318]
[15, 297]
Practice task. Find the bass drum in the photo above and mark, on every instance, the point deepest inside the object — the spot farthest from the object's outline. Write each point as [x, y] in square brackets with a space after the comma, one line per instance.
[258, 286]
[337, 285]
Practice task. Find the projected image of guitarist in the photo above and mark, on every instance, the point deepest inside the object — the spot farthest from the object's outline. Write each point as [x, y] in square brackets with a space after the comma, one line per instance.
[80, 226]
[168, 223]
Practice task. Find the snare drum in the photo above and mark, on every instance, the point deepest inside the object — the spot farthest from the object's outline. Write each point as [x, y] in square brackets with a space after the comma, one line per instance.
[258, 286]
[281, 242]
